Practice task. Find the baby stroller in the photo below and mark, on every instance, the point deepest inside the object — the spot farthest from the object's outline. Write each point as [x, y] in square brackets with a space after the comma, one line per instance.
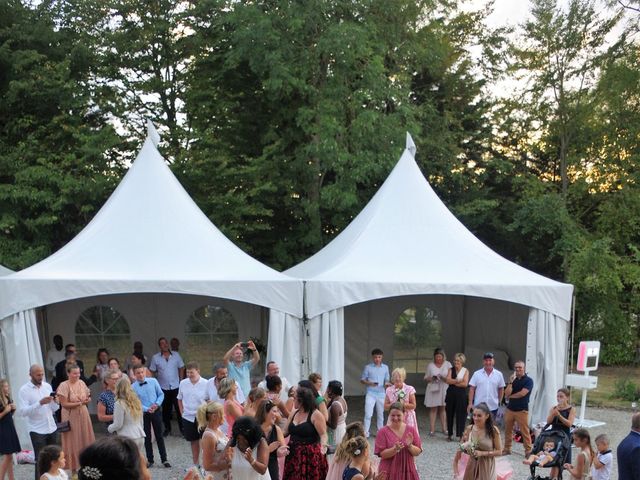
[563, 444]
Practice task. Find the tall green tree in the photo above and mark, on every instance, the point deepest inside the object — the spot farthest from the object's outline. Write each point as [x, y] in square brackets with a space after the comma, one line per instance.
[310, 105]
[58, 157]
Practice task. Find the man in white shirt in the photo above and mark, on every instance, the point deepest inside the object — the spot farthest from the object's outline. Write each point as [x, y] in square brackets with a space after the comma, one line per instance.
[191, 394]
[219, 372]
[273, 370]
[37, 403]
[486, 385]
[54, 356]
[168, 368]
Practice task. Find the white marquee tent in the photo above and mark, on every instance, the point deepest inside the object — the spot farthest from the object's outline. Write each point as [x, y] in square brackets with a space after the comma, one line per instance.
[149, 237]
[407, 248]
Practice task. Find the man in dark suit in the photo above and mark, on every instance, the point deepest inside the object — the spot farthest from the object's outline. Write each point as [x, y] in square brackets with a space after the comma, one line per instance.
[61, 368]
[629, 452]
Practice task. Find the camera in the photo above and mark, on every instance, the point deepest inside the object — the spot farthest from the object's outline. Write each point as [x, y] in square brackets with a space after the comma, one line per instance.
[244, 345]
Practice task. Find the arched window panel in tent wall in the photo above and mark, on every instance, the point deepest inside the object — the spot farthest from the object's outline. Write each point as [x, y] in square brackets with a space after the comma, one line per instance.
[102, 326]
[209, 333]
[417, 332]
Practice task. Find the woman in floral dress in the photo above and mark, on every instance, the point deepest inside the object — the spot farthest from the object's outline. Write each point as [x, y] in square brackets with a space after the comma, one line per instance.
[404, 394]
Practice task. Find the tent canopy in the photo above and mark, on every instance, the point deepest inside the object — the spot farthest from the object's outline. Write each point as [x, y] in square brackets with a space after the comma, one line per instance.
[149, 237]
[406, 242]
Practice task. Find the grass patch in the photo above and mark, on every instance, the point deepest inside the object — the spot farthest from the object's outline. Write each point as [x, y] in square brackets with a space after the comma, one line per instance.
[614, 388]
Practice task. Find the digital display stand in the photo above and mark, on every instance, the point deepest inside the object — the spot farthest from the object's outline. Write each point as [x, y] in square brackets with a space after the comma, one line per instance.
[588, 356]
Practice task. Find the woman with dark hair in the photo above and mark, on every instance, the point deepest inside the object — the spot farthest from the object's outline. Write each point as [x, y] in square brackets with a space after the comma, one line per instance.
[321, 404]
[112, 458]
[255, 397]
[274, 387]
[267, 417]
[137, 360]
[102, 364]
[481, 441]
[337, 413]
[114, 364]
[250, 457]
[437, 386]
[306, 426]
[397, 443]
[74, 396]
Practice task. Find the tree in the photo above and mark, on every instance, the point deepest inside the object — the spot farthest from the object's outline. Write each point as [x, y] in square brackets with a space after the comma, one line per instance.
[58, 156]
[559, 55]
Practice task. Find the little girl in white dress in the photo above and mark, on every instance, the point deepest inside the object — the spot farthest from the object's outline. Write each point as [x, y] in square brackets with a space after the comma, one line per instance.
[51, 463]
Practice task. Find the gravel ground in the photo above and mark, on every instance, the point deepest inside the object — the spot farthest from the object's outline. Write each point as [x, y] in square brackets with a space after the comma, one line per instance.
[434, 463]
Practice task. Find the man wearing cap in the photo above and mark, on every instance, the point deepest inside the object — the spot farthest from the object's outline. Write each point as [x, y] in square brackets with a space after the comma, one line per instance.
[517, 395]
[486, 385]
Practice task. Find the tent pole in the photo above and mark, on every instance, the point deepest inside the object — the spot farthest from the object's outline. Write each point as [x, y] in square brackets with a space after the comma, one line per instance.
[573, 329]
[305, 364]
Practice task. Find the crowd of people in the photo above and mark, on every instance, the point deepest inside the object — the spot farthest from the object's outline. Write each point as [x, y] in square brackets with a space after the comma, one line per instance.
[276, 430]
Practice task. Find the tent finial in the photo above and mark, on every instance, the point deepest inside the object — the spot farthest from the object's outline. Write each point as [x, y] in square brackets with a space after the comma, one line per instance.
[410, 145]
[152, 133]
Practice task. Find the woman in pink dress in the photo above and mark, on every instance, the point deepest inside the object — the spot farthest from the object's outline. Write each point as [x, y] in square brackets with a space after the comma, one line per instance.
[436, 392]
[232, 409]
[74, 396]
[397, 444]
[403, 393]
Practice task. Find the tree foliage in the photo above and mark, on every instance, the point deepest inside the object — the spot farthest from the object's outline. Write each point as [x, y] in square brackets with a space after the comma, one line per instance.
[282, 119]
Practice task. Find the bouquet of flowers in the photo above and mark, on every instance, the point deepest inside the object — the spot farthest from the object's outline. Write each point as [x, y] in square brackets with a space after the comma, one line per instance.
[469, 447]
[400, 395]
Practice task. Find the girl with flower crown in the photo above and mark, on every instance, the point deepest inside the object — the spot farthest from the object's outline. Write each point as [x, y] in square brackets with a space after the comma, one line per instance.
[403, 393]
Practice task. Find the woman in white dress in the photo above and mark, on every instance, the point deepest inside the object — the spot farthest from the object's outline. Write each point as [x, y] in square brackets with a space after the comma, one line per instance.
[249, 451]
[215, 456]
[127, 414]
[337, 422]
[436, 389]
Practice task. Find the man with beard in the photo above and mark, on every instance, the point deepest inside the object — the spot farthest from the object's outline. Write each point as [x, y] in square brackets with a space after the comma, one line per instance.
[37, 403]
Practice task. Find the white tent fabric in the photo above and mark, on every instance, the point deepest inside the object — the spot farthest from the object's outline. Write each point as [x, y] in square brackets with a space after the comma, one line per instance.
[22, 349]
[406, 242]
[547, 356]
[300, 350]
[149, 237]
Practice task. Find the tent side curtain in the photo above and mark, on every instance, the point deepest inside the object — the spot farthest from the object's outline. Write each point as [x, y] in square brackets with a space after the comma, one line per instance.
[285, 344]
[547, 340]
[326, 335]
[22, 348]
[320, 345]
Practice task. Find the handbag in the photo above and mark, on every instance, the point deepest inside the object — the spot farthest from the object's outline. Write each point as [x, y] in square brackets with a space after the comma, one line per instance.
[62, 427]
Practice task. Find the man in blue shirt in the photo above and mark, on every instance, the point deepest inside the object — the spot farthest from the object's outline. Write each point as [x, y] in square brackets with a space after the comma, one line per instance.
[517, 394]
[151, 396]
[239, 369]
[376, 377]
[168, 368]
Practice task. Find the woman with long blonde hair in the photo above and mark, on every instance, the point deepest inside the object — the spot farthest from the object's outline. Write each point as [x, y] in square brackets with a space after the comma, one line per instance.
[215, 460]
[9, 443]
[127, 414]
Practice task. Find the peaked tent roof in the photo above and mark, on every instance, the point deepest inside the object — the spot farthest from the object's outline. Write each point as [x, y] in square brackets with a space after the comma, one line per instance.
[406, 242]
[4, 271]
[149, 237]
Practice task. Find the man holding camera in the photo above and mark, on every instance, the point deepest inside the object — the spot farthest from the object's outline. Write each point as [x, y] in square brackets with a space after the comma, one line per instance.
[239, 369]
